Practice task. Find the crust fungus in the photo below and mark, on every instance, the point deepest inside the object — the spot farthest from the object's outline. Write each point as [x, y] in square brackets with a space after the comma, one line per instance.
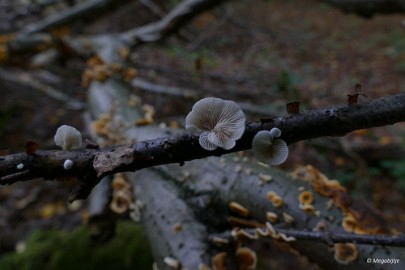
[306, 197]
[246, 258]
[307, 208]
[349, 223]
[238, 209]
[202, 266]
[345, 253]
[218, 261]
[271, 232]
[242, 235]
[319, 181]
[171, 262]
[287, 218]
[274, 198]
[268, 150]
[272, 217]
[265, 178]
[68, 138]
[321, 226]
[218, 122]
[121, 201]
[177, 227]
[220, 241]
[119, 182]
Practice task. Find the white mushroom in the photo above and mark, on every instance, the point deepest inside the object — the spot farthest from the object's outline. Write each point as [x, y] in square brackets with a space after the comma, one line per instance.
[68, 164]
[218, 122]
[275, 132]
[20, 166]
[268, 150]
[68, 137]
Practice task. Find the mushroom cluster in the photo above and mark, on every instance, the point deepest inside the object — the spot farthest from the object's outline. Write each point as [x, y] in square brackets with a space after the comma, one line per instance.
[269, 150]
[219, 123]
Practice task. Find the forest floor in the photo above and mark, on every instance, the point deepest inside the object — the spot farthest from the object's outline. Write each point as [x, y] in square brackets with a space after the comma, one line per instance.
[263, 55]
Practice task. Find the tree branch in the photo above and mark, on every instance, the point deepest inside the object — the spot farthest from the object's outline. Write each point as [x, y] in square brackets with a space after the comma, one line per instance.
[183, 147]
[170, 23]
[329, 238]
[85, 10]
[29, 40]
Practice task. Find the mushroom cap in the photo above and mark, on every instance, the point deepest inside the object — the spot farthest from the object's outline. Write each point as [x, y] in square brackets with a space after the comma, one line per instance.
[68, 164]
[275, 132]
[345, 253]
[68, 137]
[268, 150]
[218, 122]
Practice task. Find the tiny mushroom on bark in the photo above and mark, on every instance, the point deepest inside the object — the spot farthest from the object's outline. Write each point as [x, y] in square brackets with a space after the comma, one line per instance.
[246, 258]
[268, 150]
[68, 138]
[219, 123]
[20, 166]
[345, 253]
[68, 164]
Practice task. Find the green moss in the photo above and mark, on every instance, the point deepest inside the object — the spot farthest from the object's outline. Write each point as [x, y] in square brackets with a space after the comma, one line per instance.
[52, 249]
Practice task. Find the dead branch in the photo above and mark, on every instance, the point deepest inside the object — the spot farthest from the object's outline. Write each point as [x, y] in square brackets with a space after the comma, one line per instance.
[214, 183]
[173, 230]
[83, 11]
[165, 90]
[183, 147]
[27, 80]
[328, 238]
[30, 40]
[170, 23]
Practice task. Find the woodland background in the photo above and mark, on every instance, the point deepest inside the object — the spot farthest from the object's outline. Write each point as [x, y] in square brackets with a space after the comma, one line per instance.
[261, 54]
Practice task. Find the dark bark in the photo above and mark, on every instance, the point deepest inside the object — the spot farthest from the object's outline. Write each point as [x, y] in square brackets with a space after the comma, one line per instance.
[330, 238]
[368, 8]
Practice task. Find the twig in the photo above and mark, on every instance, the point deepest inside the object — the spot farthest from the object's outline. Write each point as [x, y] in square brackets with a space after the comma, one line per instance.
[29, 40]
[84, 10]
[28, 80]
[166, 90]
[170, 23]
[330, 237]
[153, 7]
[192, 95]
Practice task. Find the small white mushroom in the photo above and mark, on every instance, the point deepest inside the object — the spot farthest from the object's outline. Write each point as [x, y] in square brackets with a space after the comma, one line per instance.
[218, 122]
[275, 132]
[68, 138]
[68, 164]
[20, 166]
[268, 150]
